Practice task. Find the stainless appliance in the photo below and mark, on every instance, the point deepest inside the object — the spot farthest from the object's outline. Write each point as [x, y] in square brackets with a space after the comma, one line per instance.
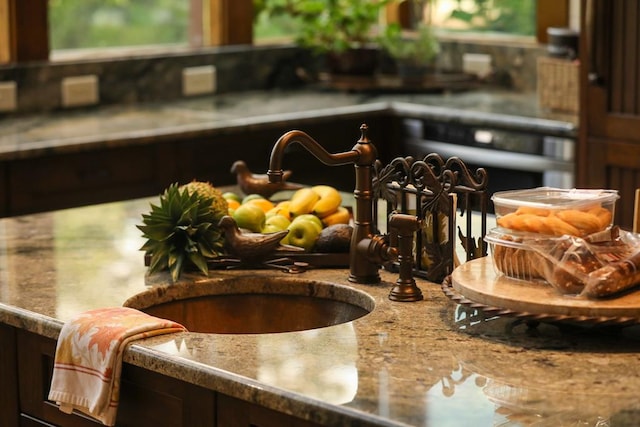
[515, 158]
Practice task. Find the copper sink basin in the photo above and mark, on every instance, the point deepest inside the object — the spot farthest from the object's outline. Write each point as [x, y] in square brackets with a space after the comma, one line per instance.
[254, 305]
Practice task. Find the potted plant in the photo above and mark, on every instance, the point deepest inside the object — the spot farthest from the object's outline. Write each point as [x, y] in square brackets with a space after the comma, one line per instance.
[414, 52]
[343, 30]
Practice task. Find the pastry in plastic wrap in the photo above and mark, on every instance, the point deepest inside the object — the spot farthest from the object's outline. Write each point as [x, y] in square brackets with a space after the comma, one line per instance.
[613, 278]
[591, 267]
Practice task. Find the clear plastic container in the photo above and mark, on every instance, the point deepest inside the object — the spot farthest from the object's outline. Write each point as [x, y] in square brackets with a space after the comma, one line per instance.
[512, 257]
[555, 211]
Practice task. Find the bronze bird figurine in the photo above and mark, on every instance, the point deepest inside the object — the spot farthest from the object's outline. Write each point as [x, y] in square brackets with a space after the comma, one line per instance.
[252, 248]
[251, 183]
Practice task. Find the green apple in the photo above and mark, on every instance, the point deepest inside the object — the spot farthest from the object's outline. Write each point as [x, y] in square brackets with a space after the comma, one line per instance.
[250, 217]
[303, 233]
[276, 223]
[271, 228]
[311, 218]
[230, 195]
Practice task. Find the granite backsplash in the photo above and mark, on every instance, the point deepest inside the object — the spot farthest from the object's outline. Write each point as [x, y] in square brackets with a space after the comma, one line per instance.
[158, 78]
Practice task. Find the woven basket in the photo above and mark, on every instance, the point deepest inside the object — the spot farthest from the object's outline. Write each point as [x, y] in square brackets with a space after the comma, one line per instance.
[558, 84]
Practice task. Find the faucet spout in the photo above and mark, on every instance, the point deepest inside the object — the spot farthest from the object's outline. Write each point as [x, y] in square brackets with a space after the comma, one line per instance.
[363, 269]
[311, 145]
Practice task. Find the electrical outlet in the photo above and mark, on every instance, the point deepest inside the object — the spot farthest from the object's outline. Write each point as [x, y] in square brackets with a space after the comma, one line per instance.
[8, 96]
[79, 91]
[198, 80]
[476, 63]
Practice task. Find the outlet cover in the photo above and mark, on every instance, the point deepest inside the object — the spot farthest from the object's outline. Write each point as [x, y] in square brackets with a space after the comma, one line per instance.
[8, 96]
[198, 80]
[476, 63]
[79, 91]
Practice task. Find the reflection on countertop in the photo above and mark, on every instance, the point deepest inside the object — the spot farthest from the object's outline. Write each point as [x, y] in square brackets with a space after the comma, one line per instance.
[428, 363]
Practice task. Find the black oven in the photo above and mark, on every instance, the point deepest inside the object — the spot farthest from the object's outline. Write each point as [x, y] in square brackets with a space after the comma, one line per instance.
[514, 159]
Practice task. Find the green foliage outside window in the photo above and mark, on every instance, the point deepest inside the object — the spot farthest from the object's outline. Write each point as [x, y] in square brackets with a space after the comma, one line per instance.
[78, 24]
[502, 16]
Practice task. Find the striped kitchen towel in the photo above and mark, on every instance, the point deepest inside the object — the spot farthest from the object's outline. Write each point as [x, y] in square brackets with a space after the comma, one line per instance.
[88, 360]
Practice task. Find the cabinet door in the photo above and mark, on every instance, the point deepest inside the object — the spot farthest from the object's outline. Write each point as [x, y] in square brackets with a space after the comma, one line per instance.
[35, 366]
[609, 149]
[64, 180]
[234, 412]
[612, 61]
[147, 399]
[8, 378]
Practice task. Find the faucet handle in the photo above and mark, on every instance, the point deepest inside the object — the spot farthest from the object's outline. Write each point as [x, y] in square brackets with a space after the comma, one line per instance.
[405, 289]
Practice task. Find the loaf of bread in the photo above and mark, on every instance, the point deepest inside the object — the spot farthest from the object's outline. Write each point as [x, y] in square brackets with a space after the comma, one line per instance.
[570, 273]
[599, 267]
[613, 278]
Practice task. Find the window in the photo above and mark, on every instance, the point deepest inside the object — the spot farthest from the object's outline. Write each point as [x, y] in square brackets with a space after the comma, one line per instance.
[23, 23]
[507, 17]
[116, 23]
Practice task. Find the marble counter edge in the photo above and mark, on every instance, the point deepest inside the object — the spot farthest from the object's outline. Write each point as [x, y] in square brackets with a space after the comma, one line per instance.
[185, 131]
[30, 321]
[206, 376]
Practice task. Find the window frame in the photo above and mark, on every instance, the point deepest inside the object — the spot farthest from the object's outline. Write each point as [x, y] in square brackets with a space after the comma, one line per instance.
[24, 32]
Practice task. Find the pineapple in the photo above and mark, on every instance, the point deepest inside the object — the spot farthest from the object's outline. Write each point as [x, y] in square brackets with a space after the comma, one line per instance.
[219, 204]
[183, 229]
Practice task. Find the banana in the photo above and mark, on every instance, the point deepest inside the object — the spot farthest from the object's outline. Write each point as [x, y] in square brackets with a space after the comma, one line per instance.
[340, 216]
[329, 200]
[302, 201]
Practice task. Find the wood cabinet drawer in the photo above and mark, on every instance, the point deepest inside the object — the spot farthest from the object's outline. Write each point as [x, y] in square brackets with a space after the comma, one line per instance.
[61, 181]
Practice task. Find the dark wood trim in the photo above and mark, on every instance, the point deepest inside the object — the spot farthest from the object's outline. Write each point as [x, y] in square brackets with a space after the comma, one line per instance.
[550, 13]
[230, 22]
[24, 30]
[9, 382]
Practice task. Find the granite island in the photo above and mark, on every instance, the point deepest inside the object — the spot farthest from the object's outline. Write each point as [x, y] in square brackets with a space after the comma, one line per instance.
[427, 363]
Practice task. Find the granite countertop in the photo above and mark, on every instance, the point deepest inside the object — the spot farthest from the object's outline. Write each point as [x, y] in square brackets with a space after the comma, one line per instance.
[112, 126]
[428, 363]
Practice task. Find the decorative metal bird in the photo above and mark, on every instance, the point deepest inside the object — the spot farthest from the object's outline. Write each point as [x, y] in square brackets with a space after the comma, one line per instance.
[252, 248]
[251, 183]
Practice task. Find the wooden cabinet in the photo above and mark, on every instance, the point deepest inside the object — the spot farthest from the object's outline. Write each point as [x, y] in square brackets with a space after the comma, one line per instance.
[233, 412]
[71, 179]
[8, 378]
[609, 147]
[147, 399]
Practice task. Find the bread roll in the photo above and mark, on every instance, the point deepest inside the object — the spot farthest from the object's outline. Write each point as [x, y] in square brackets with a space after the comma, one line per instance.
[613, 278]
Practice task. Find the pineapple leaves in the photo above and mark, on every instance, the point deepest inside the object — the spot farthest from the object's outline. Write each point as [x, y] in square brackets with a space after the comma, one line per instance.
[182, 231]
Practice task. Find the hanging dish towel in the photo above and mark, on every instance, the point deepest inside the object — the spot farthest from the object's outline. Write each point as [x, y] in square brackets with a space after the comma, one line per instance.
[88, 360]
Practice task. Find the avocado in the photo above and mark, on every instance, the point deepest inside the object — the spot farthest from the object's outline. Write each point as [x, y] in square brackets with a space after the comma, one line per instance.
[334, 238]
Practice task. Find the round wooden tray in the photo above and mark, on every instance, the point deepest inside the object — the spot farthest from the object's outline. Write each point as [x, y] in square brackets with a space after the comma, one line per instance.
[476, 283]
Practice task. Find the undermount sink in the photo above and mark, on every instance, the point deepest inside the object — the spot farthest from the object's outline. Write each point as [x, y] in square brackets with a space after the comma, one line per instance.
[254, 304]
